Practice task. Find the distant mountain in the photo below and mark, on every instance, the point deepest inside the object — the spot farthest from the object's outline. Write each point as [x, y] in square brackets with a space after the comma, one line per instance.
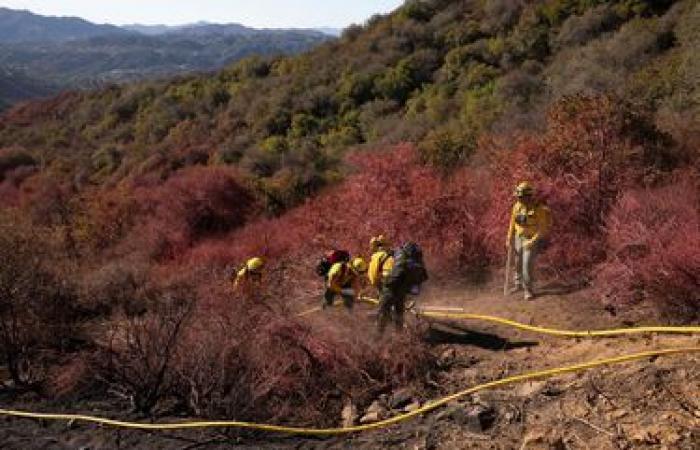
[72, 53]
[149, 30]
[330, 31]
[132, 57]
[199, 28]
[16, 86]
[24, 26]
[206, 28]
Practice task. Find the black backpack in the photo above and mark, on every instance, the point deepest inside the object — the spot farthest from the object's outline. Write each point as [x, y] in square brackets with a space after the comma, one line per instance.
[332, 257]
[410, 257]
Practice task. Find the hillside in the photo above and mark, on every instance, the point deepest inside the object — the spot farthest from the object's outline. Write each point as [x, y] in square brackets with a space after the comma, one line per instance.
[643, 404]
[438, 73]
[17, 86]
[125, 212]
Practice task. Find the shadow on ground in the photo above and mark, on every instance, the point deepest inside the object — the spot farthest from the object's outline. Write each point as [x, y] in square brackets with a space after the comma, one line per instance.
[459, 335]
[559, 288]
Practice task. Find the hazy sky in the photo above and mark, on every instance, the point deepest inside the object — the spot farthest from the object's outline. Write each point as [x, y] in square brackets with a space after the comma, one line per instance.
[256, 13]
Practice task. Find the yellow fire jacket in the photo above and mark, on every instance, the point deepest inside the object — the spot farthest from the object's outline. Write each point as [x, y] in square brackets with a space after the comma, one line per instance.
[379, 267]
[532, 222]
[241, 277]
[246, 282]
[340, 276]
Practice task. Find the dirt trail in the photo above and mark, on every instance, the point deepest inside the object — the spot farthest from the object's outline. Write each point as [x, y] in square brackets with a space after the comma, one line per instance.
[645, 404]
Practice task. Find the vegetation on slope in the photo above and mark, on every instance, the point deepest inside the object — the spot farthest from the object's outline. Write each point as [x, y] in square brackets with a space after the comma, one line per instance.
[440, 73]
[17, 86]
[140, 198]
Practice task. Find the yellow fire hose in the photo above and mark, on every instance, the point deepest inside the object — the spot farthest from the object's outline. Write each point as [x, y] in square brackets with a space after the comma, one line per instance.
[563, 333]
[538, 329]
[339, 431]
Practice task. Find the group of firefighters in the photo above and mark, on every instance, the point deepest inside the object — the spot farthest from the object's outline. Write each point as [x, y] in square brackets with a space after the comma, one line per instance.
[395, 274]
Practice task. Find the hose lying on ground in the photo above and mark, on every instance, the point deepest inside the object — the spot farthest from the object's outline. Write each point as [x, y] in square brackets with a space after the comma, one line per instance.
[538, 329]
[430, 406]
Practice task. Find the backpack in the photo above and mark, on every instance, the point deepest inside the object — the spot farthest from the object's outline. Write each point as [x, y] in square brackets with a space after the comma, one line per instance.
[411, 257]
[330, 258]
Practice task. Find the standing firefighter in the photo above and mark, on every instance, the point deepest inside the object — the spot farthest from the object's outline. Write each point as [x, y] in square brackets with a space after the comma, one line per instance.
[344, 279]
[406, 276]
[530, 222]
[249, 278]
[380, 263]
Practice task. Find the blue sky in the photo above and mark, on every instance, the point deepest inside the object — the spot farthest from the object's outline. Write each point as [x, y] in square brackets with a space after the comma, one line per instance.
[256, 13]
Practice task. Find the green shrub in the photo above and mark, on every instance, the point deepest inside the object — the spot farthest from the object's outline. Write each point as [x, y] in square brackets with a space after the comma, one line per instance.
[356, 88]
[106, 160]
[479, 74]
[303, 125]
[342, 137]
[481, 107]
[447, 147]
[462, 34]
[418, 10]
[436, 102]
[501, 14]
[578, 30]
[13, 158]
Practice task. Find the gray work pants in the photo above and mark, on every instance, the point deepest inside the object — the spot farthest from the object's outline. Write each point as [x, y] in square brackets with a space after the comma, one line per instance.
[329, 297]
[391, 305]
[524, 263]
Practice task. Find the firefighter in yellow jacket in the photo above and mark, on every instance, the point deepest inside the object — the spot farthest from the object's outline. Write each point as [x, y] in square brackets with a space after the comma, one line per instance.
[249, 278]
[344, 280]
[529, 227]
[380, 263]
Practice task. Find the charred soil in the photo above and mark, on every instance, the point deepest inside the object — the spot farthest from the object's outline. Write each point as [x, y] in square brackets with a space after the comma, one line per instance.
[653, 403]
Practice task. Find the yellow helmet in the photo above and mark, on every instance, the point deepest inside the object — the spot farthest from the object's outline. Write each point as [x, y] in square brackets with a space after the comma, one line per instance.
[255, 265]
[378, 242]
[524, 189]
[359, 265]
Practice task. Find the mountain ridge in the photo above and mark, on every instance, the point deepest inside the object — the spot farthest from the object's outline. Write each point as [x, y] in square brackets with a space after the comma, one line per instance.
[25, 26]
[204, 27]
[69, 53]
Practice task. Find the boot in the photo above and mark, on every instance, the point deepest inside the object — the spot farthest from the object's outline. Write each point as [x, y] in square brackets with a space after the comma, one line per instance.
[515, 289]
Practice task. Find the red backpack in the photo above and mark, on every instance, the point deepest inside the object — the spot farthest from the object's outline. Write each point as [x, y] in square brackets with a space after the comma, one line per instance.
[332, 257]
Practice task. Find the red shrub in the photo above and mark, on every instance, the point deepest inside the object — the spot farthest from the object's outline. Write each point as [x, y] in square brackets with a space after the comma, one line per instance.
[139, 358]
[38, 111]
[11, 192]
[10, 195]
[72, 378]
[107, 217]
[251, 359]
[654, 242]
[37, 305]
[194, 203]
[593, 149]
[389, 193]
